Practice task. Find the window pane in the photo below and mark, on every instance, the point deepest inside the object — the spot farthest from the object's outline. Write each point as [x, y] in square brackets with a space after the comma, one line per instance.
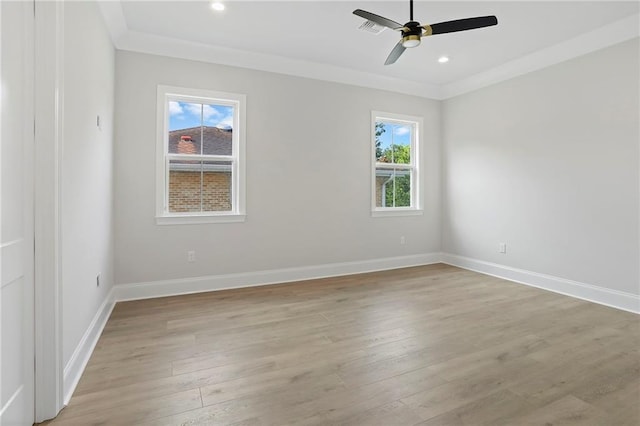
[401, 150]
[185, 183]
[393, 142]
[190, 123]
[384, 177]
[199, 186]
[217, 121]
[383, 141]
[393, 188]
[216, 186]
[185, 141]
[217, 141]
[185, 128]
[402, 188]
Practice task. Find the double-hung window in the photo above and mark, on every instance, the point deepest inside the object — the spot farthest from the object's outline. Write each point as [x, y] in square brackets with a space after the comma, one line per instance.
[200, 156]
[396, 158]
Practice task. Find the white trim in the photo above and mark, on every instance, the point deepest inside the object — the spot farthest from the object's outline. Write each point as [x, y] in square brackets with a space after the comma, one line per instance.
[5, 409]
[114, 19]
[49, 92]
[12, 254]
[1, 198]
[196, 219]
[396, 212]
[165, 46]
[603, 296]
[125, 39]
[616, 32]
[81, 355]
[147, 290]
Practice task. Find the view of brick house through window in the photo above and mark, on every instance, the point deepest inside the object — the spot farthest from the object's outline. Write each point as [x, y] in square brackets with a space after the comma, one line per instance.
[198, 182]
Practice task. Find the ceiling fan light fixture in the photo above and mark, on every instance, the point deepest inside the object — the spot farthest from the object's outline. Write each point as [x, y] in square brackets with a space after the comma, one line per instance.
[410, 41]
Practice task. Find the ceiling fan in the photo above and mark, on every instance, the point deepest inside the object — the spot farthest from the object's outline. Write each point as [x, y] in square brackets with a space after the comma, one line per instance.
[412, 31]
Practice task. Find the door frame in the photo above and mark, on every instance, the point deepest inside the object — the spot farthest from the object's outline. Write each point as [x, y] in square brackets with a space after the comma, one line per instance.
[48, 133]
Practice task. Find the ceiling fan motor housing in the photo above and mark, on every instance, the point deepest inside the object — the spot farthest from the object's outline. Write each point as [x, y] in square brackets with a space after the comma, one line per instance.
[412, 31]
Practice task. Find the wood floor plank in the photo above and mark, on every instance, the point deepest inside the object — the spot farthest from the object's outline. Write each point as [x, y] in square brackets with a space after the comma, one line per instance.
[495, 409]
[430, 345]
[394, 413]
[132, 413]
[566, 411]
[488, 359]
[476, 384]
[621, 401]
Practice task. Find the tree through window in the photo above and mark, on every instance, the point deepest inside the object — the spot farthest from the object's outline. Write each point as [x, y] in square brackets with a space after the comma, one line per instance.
[396, 172]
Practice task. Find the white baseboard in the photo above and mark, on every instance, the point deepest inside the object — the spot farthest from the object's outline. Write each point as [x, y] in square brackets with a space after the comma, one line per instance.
[604, 296]
[80, 357]
[147, 290]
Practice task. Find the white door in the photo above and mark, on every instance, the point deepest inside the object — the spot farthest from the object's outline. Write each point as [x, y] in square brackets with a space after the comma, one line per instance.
[16, 214]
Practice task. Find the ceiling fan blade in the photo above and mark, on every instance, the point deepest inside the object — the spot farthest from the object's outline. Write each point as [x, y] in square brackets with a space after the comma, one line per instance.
[460, 25]
[395, 53]
[377, 19]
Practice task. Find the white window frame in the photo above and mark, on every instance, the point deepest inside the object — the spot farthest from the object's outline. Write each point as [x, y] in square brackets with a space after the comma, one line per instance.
[238, 141]
[416, 160]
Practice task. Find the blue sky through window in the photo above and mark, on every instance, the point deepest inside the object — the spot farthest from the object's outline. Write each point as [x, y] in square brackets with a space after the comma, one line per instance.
[396, 134]
[183, 115]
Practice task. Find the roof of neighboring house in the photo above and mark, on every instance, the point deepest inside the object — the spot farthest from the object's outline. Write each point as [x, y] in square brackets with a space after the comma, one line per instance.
[216, 141]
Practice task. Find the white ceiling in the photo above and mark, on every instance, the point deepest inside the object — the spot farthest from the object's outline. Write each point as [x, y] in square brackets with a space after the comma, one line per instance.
[321, 38]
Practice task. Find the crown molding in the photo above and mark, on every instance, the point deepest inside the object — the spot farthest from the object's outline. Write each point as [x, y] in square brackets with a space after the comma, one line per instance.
[114, 20]
[608, 35]
[125, 39]
[165, 46]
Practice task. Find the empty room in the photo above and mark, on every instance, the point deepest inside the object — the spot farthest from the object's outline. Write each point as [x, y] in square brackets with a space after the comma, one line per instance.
[256, 213]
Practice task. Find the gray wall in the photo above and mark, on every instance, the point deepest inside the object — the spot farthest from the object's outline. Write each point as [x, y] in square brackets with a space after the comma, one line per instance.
[87, 169]
[308, 175]
[548, 163]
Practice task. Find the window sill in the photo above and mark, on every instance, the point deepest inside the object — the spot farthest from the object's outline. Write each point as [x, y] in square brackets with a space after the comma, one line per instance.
[396, 212]
[199, 219]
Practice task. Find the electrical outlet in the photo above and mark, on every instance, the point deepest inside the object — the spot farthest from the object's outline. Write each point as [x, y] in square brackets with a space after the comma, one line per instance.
[502, 248]
[98, 280]
[191, 256]
[402, 240]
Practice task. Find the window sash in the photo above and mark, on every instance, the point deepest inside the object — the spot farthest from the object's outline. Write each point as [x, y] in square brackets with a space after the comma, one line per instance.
[233, 193]
[167, 94]
[394, 166]
[202, 157]
[195, 157]
[172, 97]
[415, 123]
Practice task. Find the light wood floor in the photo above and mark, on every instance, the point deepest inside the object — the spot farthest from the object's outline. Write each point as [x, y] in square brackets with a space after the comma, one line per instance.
[432, 345]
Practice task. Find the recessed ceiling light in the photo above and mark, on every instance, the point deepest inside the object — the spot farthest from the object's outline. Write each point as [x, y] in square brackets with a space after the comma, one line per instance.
[443, 59]
[216, 5]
